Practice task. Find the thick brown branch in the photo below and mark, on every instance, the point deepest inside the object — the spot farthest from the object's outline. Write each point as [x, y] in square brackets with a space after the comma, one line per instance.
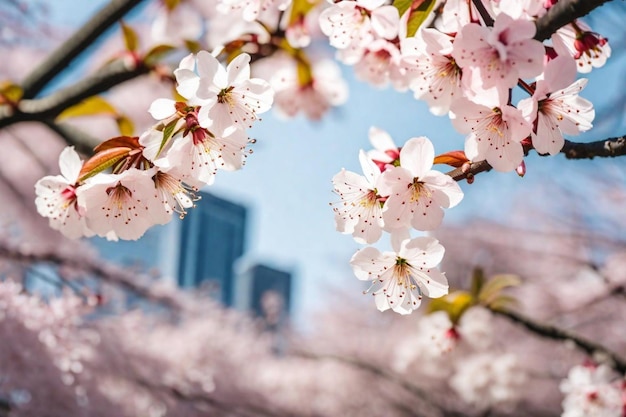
[591, 348]
[606, 148]
[562, 13]
[75, 45]
[51, 106]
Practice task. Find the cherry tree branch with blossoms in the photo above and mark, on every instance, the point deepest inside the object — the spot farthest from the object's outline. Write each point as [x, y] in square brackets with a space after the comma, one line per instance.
[593, 349]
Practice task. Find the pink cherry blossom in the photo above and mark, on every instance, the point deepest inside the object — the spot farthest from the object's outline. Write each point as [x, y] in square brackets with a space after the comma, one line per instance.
[314, 96]
[56, 197]
[401, 278]
[360, 210]
[228, 97]
[385, 151]
[348, 23]
[174, 27]
[495, 133]
[435, 76]
[380, 64]
[125, 204]
[251, 9]
[578, 40]
[592, 391]
[555, 107]
[500, 55]
[417, 194]
[173, 194]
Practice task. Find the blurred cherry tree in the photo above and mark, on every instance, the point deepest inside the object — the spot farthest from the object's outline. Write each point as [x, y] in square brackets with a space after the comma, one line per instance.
[527, 318]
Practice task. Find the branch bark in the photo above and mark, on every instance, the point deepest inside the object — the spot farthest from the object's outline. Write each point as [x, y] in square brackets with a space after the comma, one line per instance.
[562, 13]
[591, 348]
[49, 107]
[124, 279]
[75, 45]
[605, 148]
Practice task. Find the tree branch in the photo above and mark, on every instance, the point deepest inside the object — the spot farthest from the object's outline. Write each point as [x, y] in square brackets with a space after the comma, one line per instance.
[75, 45]
[591, 348]
[606, 148]
[117, 276]
[51, 106]
[562, 13]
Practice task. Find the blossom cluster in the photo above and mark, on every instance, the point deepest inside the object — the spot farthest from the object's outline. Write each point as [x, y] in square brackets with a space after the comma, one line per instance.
[398, 192]
[464, 63]
[156, 174]
[592, 391]
[464, 356]
[466, 69]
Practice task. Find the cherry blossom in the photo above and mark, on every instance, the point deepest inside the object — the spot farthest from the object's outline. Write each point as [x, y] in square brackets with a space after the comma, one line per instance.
[312, 95]
[228, 97]
[385, 151]
[555, 107]
[251, 9]
[56, 197]
[495, 133]
[499, 55]
[380, 64]
[588, 48]
[417, 194]
[487, 379]
[175, 26]
[360, 210]
[197, 153]
[125, 204]
[347, 23]
[402, 277]
[456, 14]
[435, 76]
[174, 195]
[590, 392]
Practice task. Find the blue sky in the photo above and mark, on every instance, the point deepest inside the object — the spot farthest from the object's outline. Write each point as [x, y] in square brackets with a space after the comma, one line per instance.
[286, 183]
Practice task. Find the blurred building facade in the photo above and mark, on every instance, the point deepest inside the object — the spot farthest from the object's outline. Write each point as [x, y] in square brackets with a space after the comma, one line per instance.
[203, 251]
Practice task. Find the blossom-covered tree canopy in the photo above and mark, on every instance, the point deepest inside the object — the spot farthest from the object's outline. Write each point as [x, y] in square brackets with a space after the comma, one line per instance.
[171, 112]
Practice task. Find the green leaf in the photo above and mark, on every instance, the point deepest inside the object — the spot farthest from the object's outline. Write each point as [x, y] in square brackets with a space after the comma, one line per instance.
[478, 280]
[156, 53]
[168, 131]
[131, 40]
[402, 5]
[299, 9]
[418, 16]
[125, 125]
[193, 46]
[89, 107]
[494, 287]
[504, 302]
[454, 304]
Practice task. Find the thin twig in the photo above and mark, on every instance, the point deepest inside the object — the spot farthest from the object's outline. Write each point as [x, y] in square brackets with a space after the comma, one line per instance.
[117, 276]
